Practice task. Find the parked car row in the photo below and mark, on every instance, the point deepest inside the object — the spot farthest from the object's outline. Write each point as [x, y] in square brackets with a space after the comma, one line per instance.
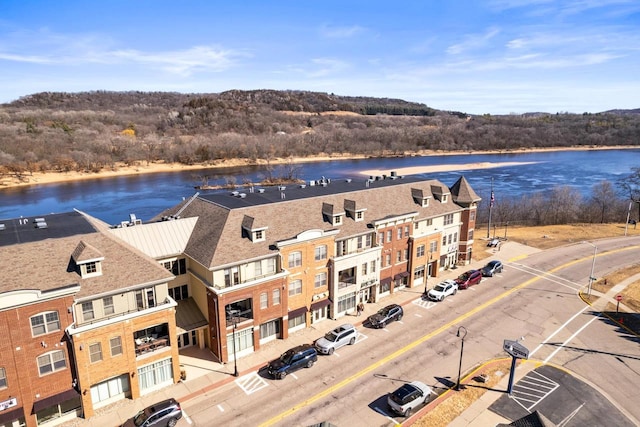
[465, 280]
[402, 401]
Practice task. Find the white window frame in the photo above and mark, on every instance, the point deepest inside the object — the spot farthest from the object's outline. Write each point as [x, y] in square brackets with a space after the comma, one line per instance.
[116, 346]
[51, 362]
[295, 287]
[45, 323]
[321, 252]
[264, 300]
[320, 280]
[276, 296]
[295, 259]
[95, 352]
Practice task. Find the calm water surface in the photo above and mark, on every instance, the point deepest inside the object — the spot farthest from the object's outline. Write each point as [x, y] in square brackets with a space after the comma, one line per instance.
[113, 199]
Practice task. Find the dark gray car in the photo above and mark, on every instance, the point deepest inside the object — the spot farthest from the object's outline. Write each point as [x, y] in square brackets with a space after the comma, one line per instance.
[302, 356]
[161, 414]
[493, 267]
[386, 315]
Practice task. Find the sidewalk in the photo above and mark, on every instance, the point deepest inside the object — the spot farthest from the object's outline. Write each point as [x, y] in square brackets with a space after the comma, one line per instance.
[204, 374]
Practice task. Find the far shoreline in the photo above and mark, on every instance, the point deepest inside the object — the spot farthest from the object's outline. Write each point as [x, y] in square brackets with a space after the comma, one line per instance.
[38, 178]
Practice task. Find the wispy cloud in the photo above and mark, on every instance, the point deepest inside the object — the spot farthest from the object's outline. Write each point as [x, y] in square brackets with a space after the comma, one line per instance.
[341, 32]
[68, 50]
[473, 41]
[326, 66]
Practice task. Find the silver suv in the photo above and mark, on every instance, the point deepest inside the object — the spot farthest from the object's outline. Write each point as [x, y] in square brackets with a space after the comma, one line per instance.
[342, 335]
[408, 397]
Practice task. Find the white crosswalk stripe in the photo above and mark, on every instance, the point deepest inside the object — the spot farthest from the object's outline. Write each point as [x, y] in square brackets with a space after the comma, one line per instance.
[251, 383]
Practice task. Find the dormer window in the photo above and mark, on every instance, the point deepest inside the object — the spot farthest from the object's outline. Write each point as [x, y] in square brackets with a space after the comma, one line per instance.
[88, 260]
[353, 210]
[331, 214]
[425, 203]
[251, 229]
[445, 197]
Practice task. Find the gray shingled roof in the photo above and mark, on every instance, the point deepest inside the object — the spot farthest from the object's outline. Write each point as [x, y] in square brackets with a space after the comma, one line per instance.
[463, 194]
[221, 216]
[47, 263]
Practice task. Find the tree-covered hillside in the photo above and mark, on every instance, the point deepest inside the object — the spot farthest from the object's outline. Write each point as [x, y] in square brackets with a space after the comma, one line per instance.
[91, 131]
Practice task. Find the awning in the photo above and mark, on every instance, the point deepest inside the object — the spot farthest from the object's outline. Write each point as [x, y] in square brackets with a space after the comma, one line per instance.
[297, 312]
[189, 316]
[320, 304]
[386, 281]
[401, 275]
[39, 405]
[7, 416]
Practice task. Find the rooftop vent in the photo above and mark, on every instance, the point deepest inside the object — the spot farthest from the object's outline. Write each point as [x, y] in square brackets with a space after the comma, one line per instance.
[303, 185]
[242, 195]
[41, 223]
[260, 190]
[2, 227]
[282, 187]
[235, 193]
[348, 180]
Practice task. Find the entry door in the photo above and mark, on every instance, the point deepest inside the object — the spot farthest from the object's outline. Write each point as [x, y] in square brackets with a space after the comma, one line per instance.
[319, 314]
[187, 339]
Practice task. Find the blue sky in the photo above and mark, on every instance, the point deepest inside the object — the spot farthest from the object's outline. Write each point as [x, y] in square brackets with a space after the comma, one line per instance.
[484, 56]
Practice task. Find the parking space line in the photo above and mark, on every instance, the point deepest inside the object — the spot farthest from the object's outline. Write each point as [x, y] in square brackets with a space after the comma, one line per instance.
[186, 417]
[537, 388]
[361, 337]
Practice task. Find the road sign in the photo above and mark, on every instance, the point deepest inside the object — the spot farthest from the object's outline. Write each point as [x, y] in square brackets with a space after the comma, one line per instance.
[618, 297]
[515, 349]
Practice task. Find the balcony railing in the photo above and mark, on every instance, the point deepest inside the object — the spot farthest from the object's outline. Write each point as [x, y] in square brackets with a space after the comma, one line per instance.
[150, 344]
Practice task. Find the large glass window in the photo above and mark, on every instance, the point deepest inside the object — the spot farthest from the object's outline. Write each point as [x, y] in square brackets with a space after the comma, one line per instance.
[51, 362]
[269, 329]
[297, 321]
[346, 302]
[244, 341]
[276, 296]
[44, 323]
[56, 411]
[295, 259]
[176, 267]
[3, 378]
[420, 251]
[156, 374]
[110, 389]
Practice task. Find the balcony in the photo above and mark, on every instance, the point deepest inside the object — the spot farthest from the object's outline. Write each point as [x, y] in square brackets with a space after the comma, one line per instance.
[151, 339]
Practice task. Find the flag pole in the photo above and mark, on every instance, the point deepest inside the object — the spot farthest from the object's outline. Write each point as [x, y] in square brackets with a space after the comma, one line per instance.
[490, 208]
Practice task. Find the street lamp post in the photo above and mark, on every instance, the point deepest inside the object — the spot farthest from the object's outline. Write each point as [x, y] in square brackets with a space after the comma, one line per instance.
[234, 319]
[461, 350]
[593, 265]
[426, 273]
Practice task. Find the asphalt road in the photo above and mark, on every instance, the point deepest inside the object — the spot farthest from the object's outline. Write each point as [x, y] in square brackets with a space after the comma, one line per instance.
[535, 298]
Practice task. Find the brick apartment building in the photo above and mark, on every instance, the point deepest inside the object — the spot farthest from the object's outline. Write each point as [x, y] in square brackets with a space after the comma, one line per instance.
[94, 314]
[75, 306]
[264, 262]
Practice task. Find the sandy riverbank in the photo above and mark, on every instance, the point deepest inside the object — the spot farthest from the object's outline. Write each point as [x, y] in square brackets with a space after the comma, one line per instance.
[38, 178]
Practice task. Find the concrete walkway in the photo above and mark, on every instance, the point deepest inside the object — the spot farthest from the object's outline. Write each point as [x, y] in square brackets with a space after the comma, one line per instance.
[204, 374]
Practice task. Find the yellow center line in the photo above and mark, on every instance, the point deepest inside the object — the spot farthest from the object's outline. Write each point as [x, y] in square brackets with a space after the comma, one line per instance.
[326, 392]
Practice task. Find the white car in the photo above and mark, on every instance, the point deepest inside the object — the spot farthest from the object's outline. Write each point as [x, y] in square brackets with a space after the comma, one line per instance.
[408, 397]
[342, 335]
[443, 290]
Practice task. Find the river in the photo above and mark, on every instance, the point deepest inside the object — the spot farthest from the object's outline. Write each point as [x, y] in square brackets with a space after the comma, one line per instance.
[113, 199]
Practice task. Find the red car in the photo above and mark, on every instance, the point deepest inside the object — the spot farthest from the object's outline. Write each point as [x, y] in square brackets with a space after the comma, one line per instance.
[471, 277]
